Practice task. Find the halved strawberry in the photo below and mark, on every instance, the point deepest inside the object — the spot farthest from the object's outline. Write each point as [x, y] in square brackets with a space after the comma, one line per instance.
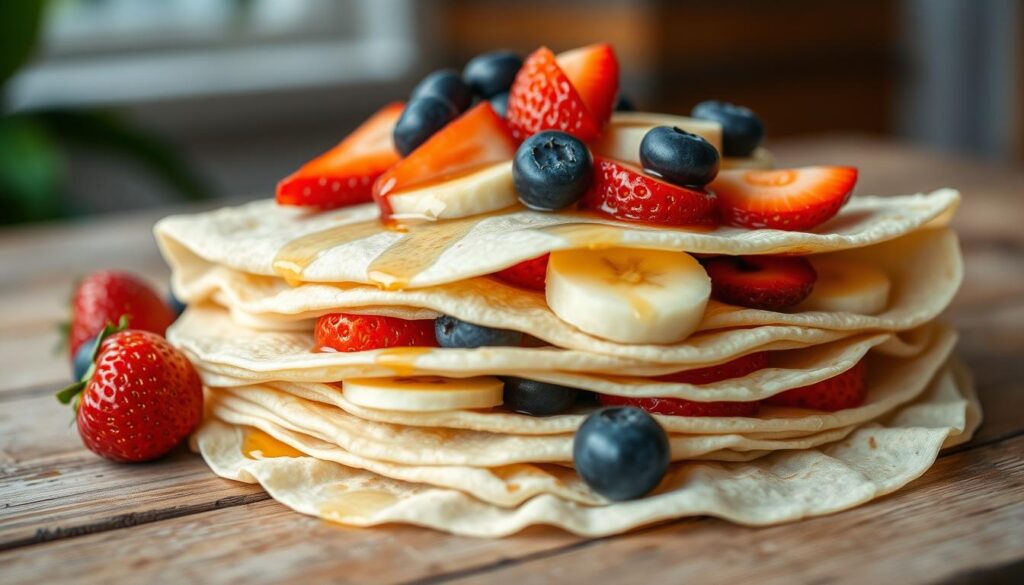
[847, 390]
[345, 332]
[543, 98]
[771, 283]
[681, 407]
[344, 175]
[783, 199]
[736, 368]
[531, 274]
[594, 72]
[626, 192]
[475, 139]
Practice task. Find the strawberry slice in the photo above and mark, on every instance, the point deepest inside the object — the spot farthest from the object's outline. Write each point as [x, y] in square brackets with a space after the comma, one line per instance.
[344, 332]
[681, 407]
[771, 283]
[344, 175]
[847, 390]
[478, 138]
[736, 368]
[594, 73]
[542, 97]
[625, 192]
[531, 274]
[784, 199]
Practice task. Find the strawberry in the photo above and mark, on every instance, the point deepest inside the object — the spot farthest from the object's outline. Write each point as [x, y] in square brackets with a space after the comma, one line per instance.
[345, 332]
[531, 274]
[477, 138]
[736, 368]
[542, 97]
[103, 297]
[344, 175]
[681, 407]
[784, 199]
[625, 192]
[847, 390]
[594, 73]
[771, 283]
[140, 398]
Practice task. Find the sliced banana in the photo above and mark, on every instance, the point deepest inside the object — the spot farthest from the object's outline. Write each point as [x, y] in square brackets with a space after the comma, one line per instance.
[846, 286]
[628, 295]
[622, 137]
[761, 158]
[424, 393]
[480, 191]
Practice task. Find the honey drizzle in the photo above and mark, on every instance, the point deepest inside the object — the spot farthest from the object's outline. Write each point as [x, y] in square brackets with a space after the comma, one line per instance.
[260, 445]
[295, 256]
[401, 360]
[418, 250]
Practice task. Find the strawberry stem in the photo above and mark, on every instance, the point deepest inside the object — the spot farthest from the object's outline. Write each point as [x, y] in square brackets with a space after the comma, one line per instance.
[66, 395]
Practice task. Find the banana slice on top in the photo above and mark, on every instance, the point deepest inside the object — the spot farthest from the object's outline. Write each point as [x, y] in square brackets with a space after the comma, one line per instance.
[424, 393]
[474, 193]
[847, 286]
[628, 295]
[621, 139]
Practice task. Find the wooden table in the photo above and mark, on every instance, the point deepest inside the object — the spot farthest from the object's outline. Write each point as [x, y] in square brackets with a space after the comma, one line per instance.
[68, 515]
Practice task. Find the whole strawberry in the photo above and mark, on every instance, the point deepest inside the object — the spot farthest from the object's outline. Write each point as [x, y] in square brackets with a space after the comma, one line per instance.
[140, 398]
[101, 298]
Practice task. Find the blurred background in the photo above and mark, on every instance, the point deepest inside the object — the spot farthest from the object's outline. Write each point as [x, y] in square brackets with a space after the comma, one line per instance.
[112, 105]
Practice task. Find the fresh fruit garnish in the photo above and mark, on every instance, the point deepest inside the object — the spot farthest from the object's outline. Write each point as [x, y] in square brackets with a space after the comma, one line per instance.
[446, 84]
[344, 332]
[621, 452]
[538, 398]
[594, 73]
[344, 175]
[490, 74]
[736, 368]
[102, 298]
[473, 193]
[83, 358]
[742, 130]
[421, 119]
[454, 333]
[678, 156]
[783, 199]
[847, 390]
[140, 398]
[531, 274]
[628, 295]
[543, 98]
[500, 104]
[423, 393]
[552, 170]
[625, 192]
[771, 283]
[682, 407]
[848, 286]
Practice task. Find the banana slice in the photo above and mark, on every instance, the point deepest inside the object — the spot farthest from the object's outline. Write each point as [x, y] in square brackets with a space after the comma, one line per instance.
[848, 286]
[622, 137]
[480, 191]
[628, 295]
[761, 158]
[424, 393]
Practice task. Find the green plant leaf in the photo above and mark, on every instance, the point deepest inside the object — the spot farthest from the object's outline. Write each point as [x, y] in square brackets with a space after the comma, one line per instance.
[30, 171]
[19, 28]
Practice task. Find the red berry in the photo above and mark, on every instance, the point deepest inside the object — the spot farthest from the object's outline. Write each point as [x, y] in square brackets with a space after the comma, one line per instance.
[681, 407]
[736, 368]
[531, 274]
[783, 199]
[345, 332]
[847, 390]
[542, 97]
[771, 283]
[594, 73]
[625, 192]
[101, 298]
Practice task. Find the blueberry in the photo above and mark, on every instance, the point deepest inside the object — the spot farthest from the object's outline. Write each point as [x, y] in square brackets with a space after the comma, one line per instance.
[492, 73]
[500, 104]
[83, 358]
[621, 452]
[451, 332]
[445, 84]
[624, 104]
[421, 119]
[538, 398]
[177, 305]
[742, 130]
[678, 156]
[552, 170]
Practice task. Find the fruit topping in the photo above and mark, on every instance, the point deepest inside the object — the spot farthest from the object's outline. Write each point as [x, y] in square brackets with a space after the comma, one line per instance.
[594, 73]
[552, 170]
[490, 74]
[847, 390]
[625, 192]
[344, 332]
[531, 274]
[678, 156]
[102, 298]
[682, 407]
[475, 192]
[344, 175]
[420, 120]
[771, 283]
[628, 295]
[447, 85]
[621, 452]
[736, 368]
[742, 130]
[500, 104]
[622, 138]
[543, 98]
[423, 393]
[454, 333]
[784, 199]
[848, 286]
[538, 398]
